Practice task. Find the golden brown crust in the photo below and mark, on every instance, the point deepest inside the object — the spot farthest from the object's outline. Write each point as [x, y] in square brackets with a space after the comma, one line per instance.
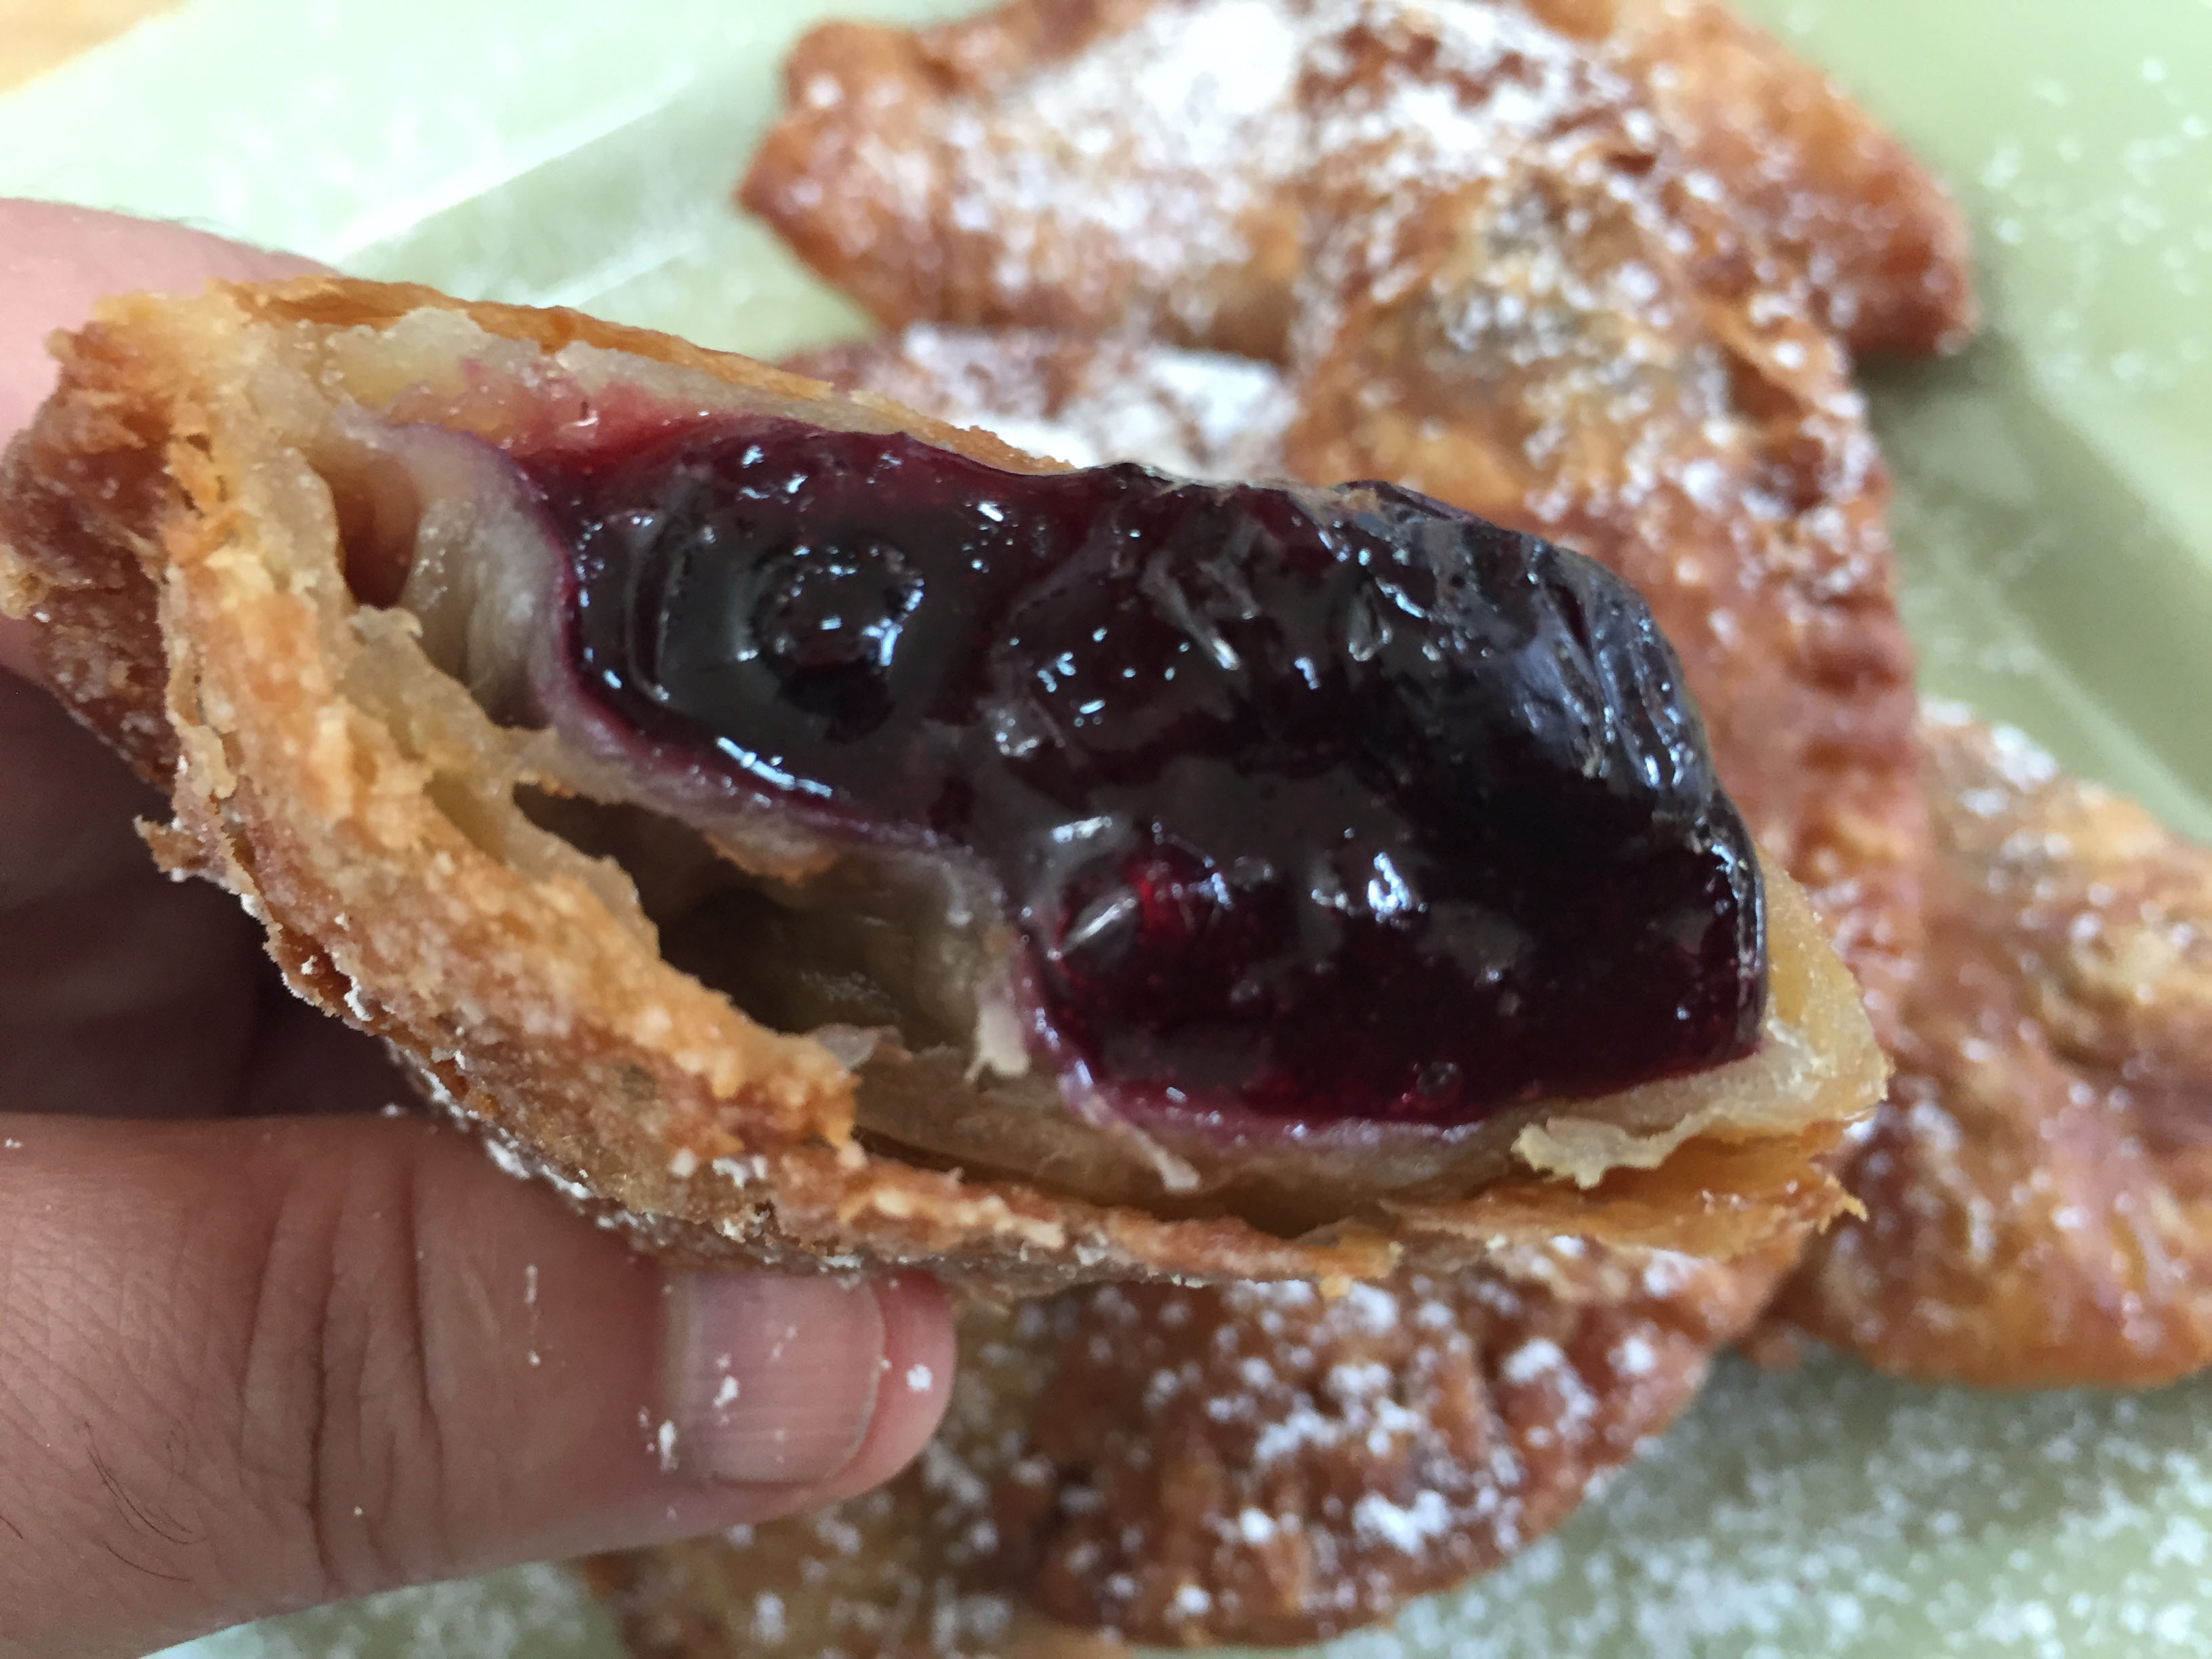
[362, 805]
[864, 102]
[2040, 1186]
[894, 172]
[1256, 1463]
[88, 478]
[1833, 196]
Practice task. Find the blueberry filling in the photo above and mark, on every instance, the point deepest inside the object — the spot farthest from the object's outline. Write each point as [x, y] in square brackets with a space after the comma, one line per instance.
[1316, 805]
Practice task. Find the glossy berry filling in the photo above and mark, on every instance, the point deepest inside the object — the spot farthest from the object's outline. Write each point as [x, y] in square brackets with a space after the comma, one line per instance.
[1323, 805]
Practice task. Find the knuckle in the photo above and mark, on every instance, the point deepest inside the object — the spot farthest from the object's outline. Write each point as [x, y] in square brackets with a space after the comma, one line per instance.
[338, 1392]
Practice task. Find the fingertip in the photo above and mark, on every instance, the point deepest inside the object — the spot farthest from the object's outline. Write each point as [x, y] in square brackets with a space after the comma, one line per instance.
[38, 235]
[920, 1354]
[16, 656]
[799, 1389]
[56, 261]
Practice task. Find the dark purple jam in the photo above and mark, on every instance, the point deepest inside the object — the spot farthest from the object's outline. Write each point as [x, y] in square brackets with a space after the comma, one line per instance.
[1324, 804]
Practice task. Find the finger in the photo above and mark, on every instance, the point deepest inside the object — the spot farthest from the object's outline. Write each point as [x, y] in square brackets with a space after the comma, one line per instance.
[119, 990]
[55, 261]
[248, 1367]
[123, 994]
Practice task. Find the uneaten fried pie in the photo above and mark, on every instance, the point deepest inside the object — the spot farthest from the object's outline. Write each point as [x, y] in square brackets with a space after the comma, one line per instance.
[2039, 1187]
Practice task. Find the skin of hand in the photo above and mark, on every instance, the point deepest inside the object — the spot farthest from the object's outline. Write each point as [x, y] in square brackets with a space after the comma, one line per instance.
[262, 1345]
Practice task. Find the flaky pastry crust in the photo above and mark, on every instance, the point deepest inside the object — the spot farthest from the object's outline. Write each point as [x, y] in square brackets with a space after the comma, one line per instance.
[1833, 196]
[169, 525]
[1092, 165]
[2038, 1187]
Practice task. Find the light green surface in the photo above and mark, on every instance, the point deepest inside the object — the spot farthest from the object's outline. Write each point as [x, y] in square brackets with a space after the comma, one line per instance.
[2056, 520]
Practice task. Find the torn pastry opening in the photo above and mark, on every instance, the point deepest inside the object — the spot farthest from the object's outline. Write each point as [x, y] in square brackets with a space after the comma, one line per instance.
[1228, 849]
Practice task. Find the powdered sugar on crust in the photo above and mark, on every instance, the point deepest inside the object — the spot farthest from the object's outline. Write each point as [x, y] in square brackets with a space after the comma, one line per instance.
[2036, 1188]
[1200, 414]
[1157, 176]
[1151, 148]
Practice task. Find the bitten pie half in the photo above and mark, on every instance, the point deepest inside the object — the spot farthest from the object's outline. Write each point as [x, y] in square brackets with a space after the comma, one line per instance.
[1249, 1463]
[1523, 258]
[805, 830]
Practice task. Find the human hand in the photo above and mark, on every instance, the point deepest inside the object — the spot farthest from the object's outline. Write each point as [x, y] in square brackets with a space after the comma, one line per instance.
[262, 1346]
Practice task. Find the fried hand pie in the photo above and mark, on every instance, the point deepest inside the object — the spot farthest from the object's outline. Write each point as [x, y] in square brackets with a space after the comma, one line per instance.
[803, 830]
[2038, 1187]
[1091, 165]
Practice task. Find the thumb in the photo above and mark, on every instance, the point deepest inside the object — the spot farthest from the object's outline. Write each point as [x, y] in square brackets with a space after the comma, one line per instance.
[247, 1366]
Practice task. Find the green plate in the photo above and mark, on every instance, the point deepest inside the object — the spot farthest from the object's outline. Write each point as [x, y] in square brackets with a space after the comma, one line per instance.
[2055, 514]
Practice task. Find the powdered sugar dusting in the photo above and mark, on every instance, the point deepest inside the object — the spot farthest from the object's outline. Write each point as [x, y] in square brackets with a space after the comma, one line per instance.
[1153, 175]
[1826, 1511]
[1145, 150]
[1360, 1447]
[1407, 1527]
[1203, 414]
[533, 1612]
[1831, 1512]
